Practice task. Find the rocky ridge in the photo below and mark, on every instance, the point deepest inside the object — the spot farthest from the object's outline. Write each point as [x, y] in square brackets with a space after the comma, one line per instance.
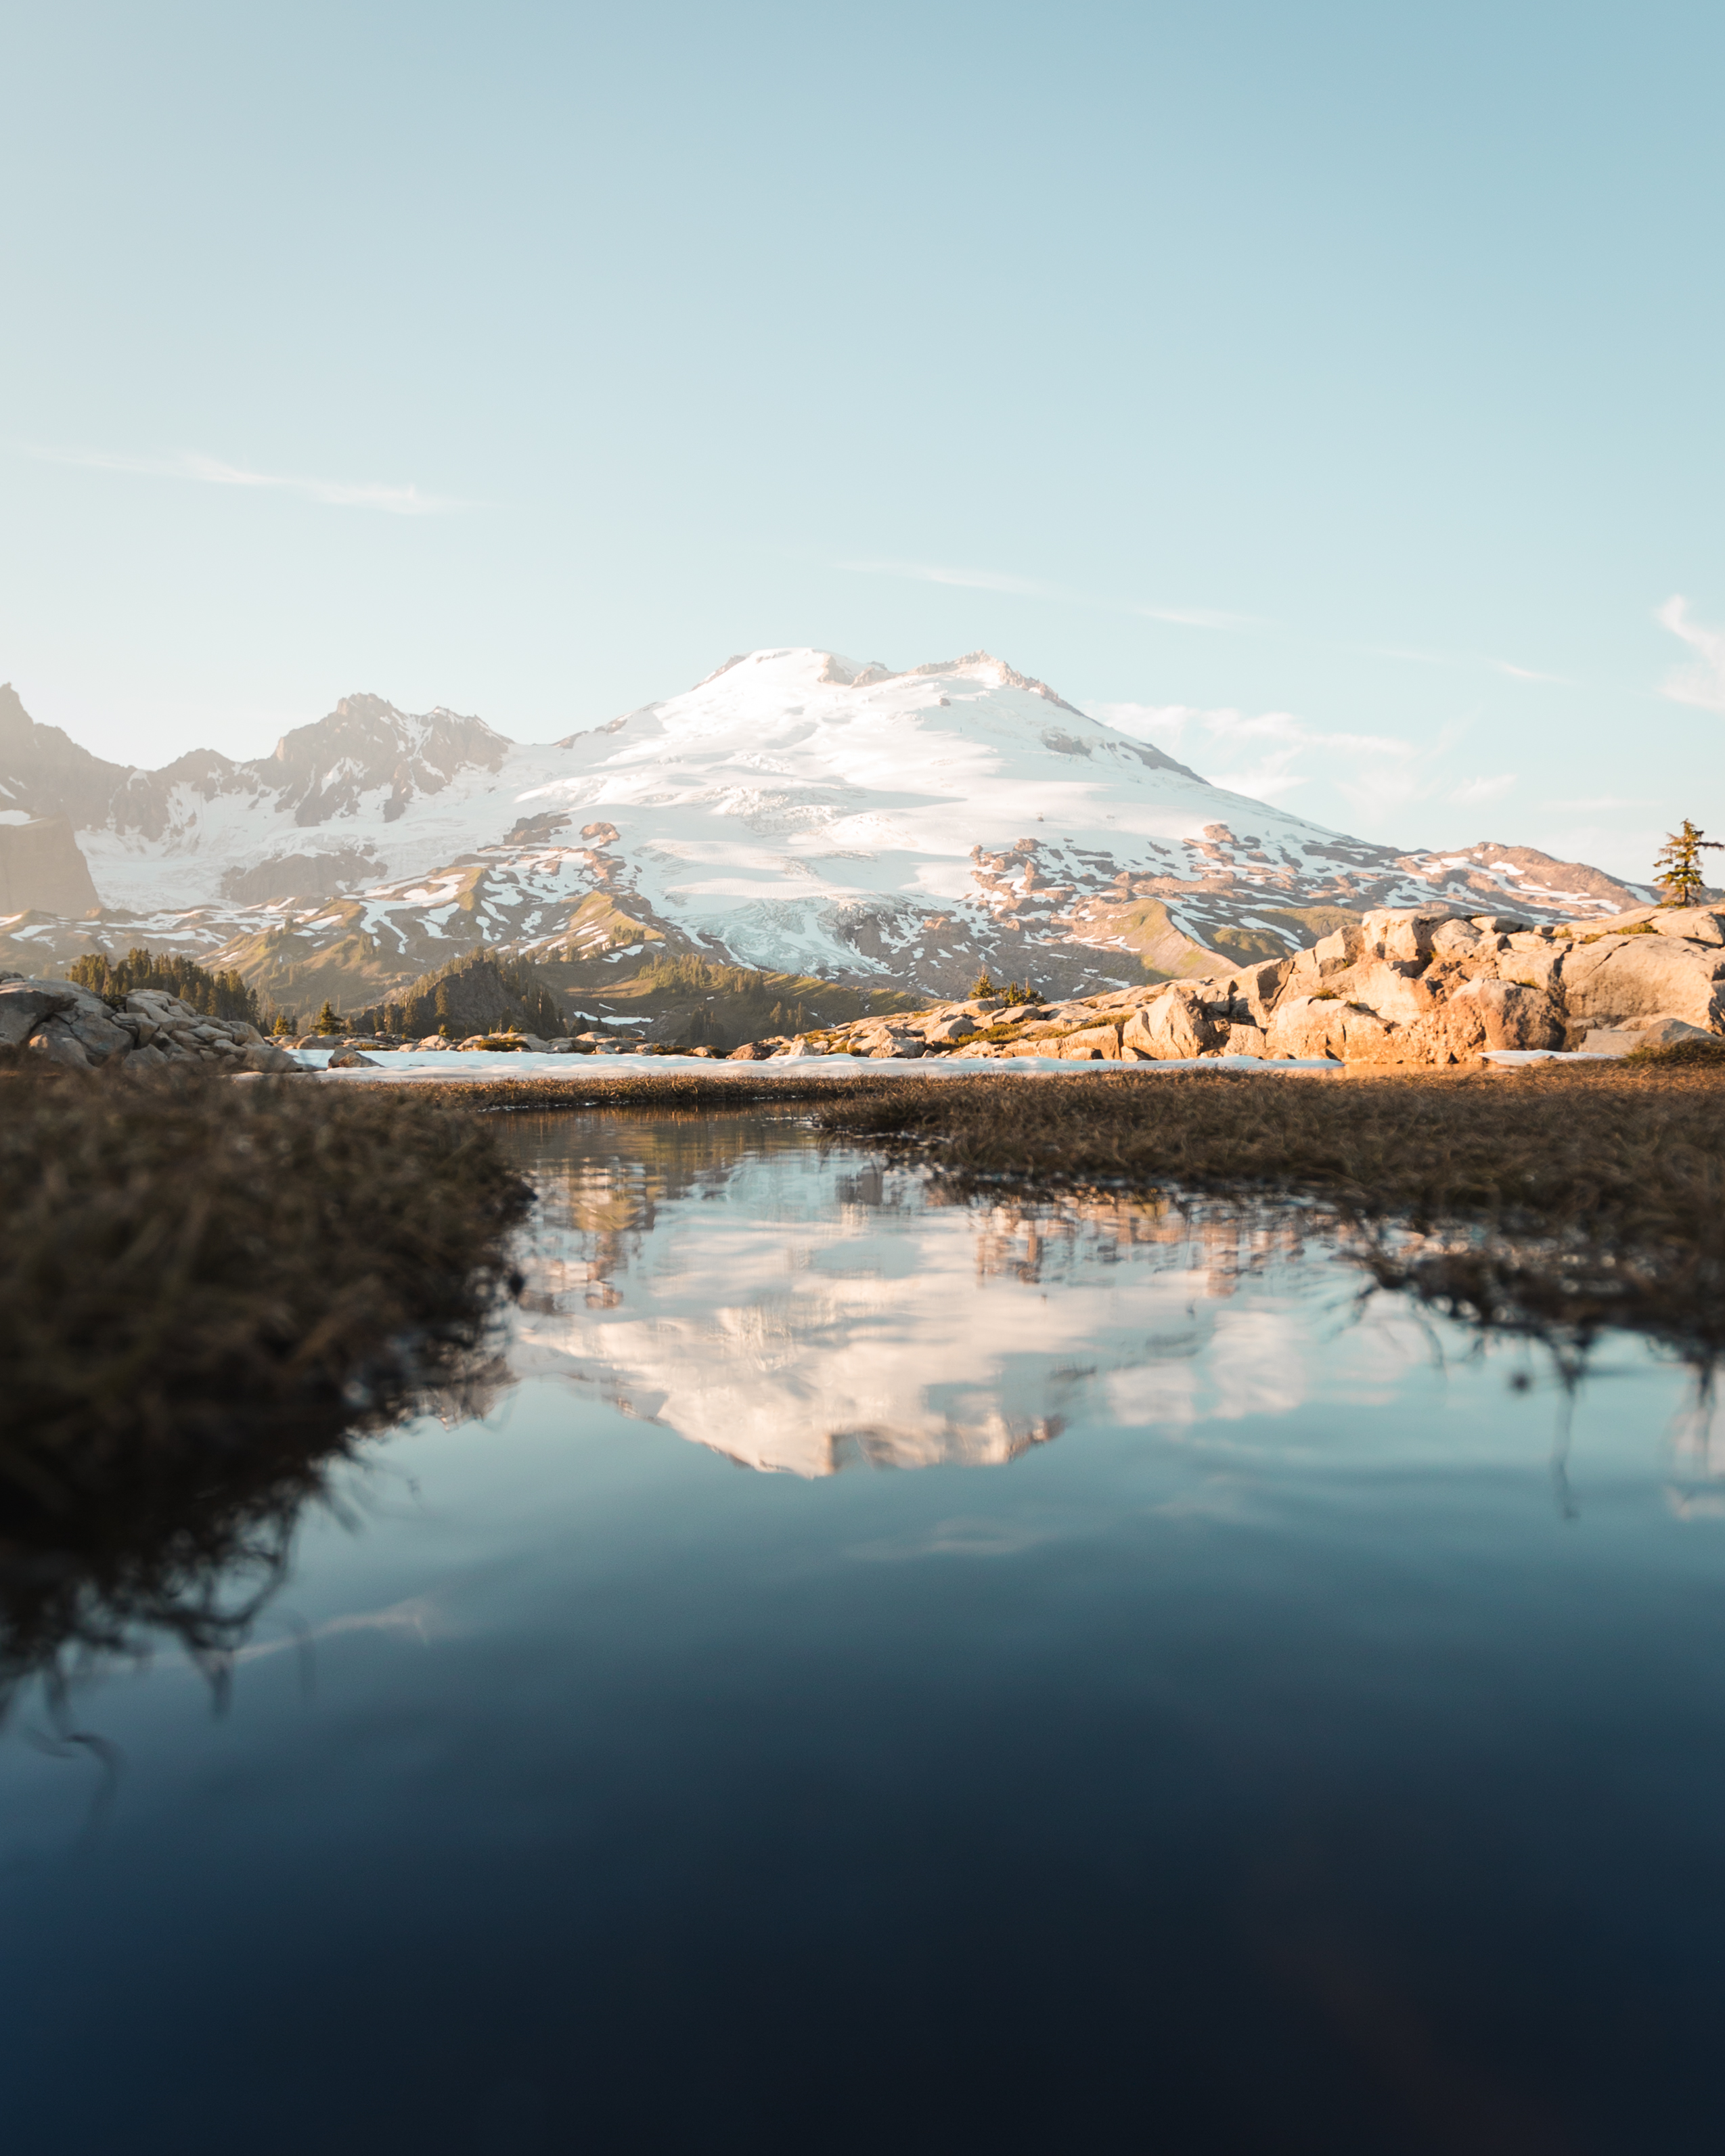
[72, 1029]
[1409, 986]
[794, 812]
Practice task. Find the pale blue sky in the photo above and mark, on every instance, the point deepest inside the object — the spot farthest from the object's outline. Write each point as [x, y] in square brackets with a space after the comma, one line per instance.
[1341, 382]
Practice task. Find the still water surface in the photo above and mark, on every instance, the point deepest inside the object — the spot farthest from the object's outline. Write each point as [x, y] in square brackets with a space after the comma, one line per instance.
[885, 1674]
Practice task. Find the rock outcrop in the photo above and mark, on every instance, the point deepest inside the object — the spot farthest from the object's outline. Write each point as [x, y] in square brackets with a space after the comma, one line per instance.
[1409, 986]
[79, 1031]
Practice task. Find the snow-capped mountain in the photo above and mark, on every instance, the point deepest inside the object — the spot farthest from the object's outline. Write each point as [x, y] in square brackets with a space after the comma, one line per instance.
[795, 811]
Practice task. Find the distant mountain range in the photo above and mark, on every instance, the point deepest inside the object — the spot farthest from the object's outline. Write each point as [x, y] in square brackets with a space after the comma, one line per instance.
[794, 812]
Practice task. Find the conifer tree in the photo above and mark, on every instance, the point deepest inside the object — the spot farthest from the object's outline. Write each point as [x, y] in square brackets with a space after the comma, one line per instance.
[983, 986]
[1679, 864]
[327, 1022]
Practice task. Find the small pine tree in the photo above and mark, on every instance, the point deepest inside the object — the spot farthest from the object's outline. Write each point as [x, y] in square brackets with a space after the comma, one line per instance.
[1679, 863]
[327, 1022]
[983, 986]
[284, 1023]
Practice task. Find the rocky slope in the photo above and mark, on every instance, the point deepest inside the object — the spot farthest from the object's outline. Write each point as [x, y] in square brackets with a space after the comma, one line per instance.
[1413, 986]
[72, 1029]
[795, 812]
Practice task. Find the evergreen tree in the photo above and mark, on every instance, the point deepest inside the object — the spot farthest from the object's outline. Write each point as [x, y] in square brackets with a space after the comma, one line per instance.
[983, 986]
[1679, 864]
[327, 1022]
[216, 995]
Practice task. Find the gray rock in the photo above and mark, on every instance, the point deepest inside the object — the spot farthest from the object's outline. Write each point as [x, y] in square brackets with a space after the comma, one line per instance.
[54, 1040]
[348, 1058]
[23, 1004]
[98, 1033]
[264, 1055]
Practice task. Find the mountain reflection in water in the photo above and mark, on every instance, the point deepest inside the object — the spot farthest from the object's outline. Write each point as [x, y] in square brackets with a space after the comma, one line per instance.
[808, 1324]
[1308, 1739]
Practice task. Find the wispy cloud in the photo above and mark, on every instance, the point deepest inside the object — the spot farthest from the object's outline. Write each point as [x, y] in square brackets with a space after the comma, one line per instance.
[1033, 587]
[1471, 793]
[968, 580]
[1269, 745]
[1217, 619]
[1161, 723]
[1269, 755]
[1532, 674]
[1200, 617]
[1703, 683]
[212, 471]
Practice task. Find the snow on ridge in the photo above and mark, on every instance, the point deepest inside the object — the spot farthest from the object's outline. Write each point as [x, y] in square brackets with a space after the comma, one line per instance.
[796, 807]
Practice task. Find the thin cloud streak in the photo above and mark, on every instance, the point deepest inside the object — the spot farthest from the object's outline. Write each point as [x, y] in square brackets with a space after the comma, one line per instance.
[212, 471]
[1029, 587]
[1205, 618]
[1703, 685]
[1378, 775]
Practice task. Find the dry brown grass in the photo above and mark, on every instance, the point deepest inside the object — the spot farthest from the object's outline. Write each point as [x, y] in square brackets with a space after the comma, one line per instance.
[1572, 1195]
[204, 1289]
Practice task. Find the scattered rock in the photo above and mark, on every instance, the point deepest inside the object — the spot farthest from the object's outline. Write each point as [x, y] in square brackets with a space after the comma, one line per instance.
[349, 1059]
[73, 1028]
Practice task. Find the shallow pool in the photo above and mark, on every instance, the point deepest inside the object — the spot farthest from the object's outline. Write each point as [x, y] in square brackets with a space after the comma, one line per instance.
[881, 1673]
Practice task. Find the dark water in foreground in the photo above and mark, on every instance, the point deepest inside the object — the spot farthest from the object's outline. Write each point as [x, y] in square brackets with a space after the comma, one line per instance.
[1249, 1721]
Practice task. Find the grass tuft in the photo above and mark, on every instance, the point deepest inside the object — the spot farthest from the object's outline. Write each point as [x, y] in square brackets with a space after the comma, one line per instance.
[1577, 1197]
[205, 1288]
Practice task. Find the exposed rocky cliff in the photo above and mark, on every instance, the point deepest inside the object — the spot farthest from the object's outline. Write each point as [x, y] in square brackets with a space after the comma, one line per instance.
[42, 870]
[1406, 986]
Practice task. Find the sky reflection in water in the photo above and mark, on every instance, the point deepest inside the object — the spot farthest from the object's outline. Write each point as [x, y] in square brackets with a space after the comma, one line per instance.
[1264, 1721]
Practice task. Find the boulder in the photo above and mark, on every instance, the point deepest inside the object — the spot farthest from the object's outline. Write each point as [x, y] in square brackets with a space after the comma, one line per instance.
[1254, 990]
[98, 1034]
[1457, 939]
[259, 1055]
[1180, 1021]
[1306, 1027]
[1092, 1043]
[959, 1027]
[1645, 976]
[1382, 986]
[23, 1005]
[1695, 924]
[56, 1043]
[349, 1059]
[1342, 947]
[751, 1051]
[1510, 1014]
[1404, 936]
